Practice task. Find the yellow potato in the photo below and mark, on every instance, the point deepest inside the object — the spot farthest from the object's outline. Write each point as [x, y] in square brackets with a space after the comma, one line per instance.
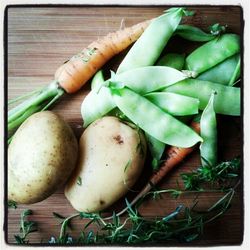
[41, 157]
[111, 158]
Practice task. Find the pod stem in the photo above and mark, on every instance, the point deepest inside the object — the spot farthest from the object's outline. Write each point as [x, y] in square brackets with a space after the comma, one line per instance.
[39, 100]
[217, 29]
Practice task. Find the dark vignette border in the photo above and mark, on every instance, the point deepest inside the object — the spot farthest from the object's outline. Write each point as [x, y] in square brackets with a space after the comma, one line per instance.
[5, 42]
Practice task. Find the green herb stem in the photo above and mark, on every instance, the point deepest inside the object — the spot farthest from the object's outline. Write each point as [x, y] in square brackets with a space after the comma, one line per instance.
[64, 224]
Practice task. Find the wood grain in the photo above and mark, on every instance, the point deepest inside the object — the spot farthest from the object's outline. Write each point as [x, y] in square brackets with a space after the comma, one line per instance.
[40, 39]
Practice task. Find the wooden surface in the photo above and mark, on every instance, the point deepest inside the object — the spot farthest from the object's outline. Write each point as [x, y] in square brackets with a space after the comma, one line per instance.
[41, 39]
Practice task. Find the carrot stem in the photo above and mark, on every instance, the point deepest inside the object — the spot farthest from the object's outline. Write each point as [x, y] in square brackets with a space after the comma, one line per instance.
[19, 98]
[23, 117]
[38, 101]
[72, 75]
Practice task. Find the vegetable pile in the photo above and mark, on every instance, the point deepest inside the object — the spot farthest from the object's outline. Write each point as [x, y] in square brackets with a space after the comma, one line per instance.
[156, 98]
[155, 102]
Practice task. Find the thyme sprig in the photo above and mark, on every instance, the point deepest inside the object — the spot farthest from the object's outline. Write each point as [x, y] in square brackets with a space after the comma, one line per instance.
[184, 224]
[215, 175]
[12, 204]
[26, 227]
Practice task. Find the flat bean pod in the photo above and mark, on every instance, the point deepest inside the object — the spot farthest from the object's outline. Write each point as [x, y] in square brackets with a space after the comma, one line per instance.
[147, 79]
[236, 74]
[142, 80]
[155, 121]
[226, 101]
[208, 131]
[151, 43]
[193, 33]
[172, 60]
[97, 80]
[212, 53]
[156, 149]
[174, 104]
[96, 104]
[223, 72]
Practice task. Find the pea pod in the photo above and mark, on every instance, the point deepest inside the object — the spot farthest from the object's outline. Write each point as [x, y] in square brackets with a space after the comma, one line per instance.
[172, 60]
[212, 53]
[174, 104]
[143, 80]
[150, 45]
[156, 149]
[153, 120]
[226, 101]
[195, 34]
[236, 74]
[225, 72]
[208, 131]
[147, 79]
[96, 104]
[97, 80]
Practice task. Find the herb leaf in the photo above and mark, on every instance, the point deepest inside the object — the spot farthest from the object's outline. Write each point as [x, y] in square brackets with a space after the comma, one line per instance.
[127, 165]
[219, 174]
[59, 216]
[184, 224]
[12, 204]
[26, 227]
[79, 181]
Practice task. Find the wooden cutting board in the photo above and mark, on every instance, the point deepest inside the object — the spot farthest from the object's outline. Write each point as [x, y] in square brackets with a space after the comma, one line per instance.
[40, 39]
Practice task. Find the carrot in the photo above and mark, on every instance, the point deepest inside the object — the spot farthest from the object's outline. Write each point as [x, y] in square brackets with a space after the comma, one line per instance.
[72, 75]
[174, 155]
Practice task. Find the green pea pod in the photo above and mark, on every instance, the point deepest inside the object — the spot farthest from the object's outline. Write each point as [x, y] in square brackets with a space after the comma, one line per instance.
[96, 105]
[208, 126]
[98, 102]
[172, 60]
[174, 104]
[224, 72]
[193, 33]
[97, 80]
[236, 74]
[156, 149]
[212, 53]
[147, 79]
[226, 101]
[151, 43]
[143, 80]
[153, 120]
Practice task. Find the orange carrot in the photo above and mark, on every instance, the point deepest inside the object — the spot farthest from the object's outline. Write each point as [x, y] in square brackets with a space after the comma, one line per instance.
[174, 156]
[72, 75]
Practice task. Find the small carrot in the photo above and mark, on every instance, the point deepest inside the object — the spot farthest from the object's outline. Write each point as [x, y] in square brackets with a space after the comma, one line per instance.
[174, 155]
[72, 75]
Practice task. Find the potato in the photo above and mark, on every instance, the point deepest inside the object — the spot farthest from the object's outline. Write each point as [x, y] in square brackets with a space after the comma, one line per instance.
[41, 157]
[111, 158]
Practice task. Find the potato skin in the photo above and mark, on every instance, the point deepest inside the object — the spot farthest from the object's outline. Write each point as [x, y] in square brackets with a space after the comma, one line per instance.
[111, 158]
[41, 157]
